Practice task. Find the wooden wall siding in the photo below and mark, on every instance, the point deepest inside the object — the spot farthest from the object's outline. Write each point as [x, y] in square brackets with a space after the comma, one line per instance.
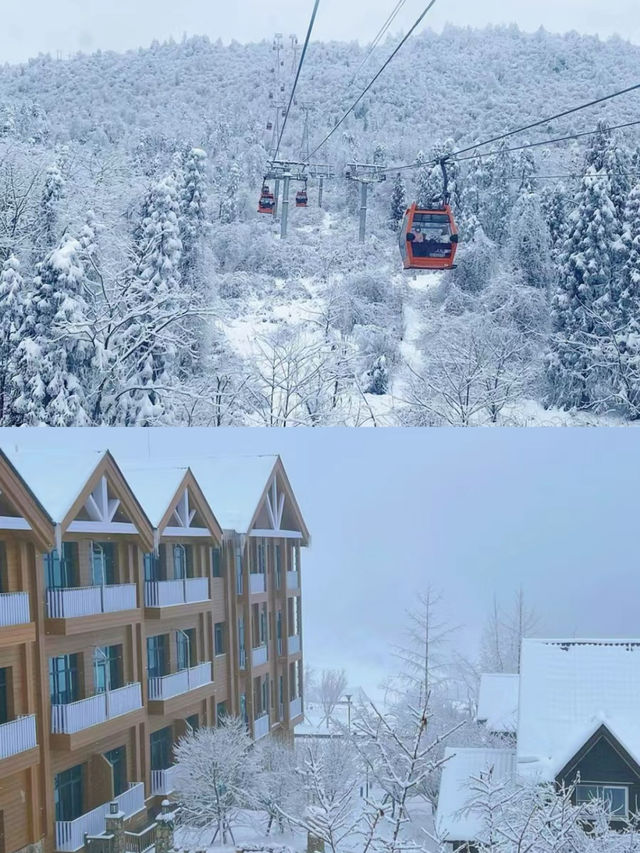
[604, 764]
[17, 808]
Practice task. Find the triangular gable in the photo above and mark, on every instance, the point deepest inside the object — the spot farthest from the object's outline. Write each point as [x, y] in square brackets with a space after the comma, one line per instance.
[603, 732]
[106, 505]
[188, 514]
[278, 513]
[20, 510]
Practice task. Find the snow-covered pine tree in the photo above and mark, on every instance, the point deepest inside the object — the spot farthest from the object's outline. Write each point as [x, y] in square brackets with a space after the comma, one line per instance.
[429, 183]
[556, 207]
[51, 366]
[380, 155]
[626, 354]
[52, 194]
[193, 212]
[398, 202]
[583, 308]
[229, 206]
[497, 198]
[12, 310]
[378, 377]
[151, 299]
[607, 154]
[530, 241]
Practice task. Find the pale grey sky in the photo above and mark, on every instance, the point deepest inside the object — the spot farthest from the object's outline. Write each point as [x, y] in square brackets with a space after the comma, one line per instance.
[474, 512]
[50, 26]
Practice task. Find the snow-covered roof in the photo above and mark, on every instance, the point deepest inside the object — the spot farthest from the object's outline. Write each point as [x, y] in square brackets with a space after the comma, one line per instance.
[154, 486]
[568, 689]
[454, 820]
[55, 478]
[233, 486]
[498, 701]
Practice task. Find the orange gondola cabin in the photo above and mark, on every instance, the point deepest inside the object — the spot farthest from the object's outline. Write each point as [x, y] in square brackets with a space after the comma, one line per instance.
[302, 198]
[429, 238]
[267, 201]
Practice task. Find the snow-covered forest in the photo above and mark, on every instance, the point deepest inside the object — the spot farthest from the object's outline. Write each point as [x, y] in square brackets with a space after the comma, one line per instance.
[139, 285]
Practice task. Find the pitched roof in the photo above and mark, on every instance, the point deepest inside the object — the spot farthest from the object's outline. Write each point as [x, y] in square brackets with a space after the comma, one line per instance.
[54, 477]
[568, 689]
[498, 701]
[454, 822]
[155, 486]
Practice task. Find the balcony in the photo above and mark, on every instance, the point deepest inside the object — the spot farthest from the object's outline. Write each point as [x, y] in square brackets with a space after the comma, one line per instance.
[163, 782]
[261, 727]
[257, 583]
[18, 736]
[70, 833]
[170, 593]
[14, 609]
[294, 644]
[295, 708]
[166, 687]
[71, 603]
[85, 713]
[15, 619]
[293, 580]
[259, 655]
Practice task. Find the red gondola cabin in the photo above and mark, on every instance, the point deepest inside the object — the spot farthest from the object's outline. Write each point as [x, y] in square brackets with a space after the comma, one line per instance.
[267, 201]
[302, 198]
[428, 238]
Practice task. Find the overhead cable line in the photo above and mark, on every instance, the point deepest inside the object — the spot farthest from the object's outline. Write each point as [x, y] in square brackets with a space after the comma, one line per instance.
[454, 158]
[368, 87]
[295, 84]
[383, 29]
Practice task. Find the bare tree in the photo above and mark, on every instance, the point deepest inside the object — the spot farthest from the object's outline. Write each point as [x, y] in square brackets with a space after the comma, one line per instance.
[503, 634]
[333, 683]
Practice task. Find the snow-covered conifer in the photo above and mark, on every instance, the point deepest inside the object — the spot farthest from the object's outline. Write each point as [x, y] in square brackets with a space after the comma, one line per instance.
[398, 202]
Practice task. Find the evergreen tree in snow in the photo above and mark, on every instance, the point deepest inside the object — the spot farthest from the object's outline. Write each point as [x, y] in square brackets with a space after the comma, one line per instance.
[377, 379]
[556, 207]
[12, 310]
[607, 154]
[626, 353]
[497, 200]
[51, 366]
[153, 294]
[398, 202]
[530, 242]
[380, 155]
[585, 302]
[52, 196]
[429, 183]
[193, 212]
[229, 206]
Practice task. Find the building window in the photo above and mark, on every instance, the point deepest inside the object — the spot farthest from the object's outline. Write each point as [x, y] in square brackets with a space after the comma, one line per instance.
[5, 686]
[616, 797]
[261, 557]
[295, 559]
[117, 758]
[182, 561]
[219, 637]
[216, 561]
[107, 668]
[62, 573]
[242, 655]
[157, 656]
[161, 743]
[103, 563]
[155, 565]
[193, 723]
[63, 679]
[243, 708]
[69, 793]
[186, 647]
[239, 578]
[221, 711]
[3, 567]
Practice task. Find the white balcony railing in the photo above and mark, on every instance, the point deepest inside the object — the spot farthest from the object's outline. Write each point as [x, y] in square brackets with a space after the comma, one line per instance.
[257, 583]
[17, 736]
[293, 580]
[259, 656]
[163, 781]
[90, 600]
[261, 727]
[76, 716]
[166, 686]
[294, 644]
[70, 833]
[14, 609]
[184, 591]
[295, 708]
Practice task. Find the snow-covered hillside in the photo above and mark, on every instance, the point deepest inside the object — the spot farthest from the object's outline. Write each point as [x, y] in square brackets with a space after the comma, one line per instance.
[141, 286]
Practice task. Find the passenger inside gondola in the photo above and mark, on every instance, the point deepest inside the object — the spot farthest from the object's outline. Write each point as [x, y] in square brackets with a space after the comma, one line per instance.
[431, 236]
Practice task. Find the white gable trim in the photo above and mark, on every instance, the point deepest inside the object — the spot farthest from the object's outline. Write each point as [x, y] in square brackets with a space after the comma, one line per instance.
[186, 532]
[276, 534]
[12, 522]
[98, 506]
[275, 504]
[102, 527]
